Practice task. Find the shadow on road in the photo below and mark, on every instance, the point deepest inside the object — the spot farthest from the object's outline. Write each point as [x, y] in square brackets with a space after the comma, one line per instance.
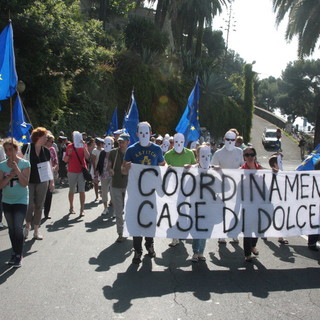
[67, 221]
[203, 283]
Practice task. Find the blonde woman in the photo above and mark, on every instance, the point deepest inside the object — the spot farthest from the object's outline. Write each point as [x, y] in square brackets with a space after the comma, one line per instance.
[14, 179]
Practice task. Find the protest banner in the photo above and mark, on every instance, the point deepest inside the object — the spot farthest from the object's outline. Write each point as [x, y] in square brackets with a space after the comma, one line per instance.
[196, 203]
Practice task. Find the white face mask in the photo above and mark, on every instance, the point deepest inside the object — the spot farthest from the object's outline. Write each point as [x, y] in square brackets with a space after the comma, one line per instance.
[165, 145]
[144, 134]
[204, 157]
[178, 142]
[107, 144]
[230, 145]
[194, 144]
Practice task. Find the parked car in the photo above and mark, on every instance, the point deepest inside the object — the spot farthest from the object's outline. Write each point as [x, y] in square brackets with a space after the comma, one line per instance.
[269, 138]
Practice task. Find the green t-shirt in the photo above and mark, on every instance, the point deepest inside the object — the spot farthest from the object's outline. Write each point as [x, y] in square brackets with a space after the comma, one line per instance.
[14, 192]
[179, 159]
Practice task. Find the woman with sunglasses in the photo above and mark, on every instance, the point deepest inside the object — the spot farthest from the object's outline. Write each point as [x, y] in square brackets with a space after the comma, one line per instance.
[249, 244]
[14, 180]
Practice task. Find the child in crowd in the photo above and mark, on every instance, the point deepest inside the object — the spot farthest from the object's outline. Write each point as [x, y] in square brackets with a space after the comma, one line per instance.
[273, 163]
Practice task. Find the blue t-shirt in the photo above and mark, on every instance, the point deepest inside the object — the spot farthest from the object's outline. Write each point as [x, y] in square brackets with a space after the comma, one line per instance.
[151, 155]
[14, 192]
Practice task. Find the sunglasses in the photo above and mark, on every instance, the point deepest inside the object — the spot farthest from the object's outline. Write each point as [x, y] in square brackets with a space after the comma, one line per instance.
[227, 139]
[249, 154]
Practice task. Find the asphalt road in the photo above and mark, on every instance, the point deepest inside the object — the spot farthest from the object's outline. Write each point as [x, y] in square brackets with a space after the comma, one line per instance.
[79, 272]
[290, 149]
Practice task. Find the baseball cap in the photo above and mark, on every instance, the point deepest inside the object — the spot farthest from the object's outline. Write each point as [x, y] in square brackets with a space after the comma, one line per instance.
[124, 137]
[120, 131]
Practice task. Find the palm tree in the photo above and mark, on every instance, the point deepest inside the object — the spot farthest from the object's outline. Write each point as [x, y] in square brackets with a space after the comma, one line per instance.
[305, 23]
[190, 17]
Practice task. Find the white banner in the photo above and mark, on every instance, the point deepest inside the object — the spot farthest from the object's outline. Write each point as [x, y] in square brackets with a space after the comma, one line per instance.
[197, 203]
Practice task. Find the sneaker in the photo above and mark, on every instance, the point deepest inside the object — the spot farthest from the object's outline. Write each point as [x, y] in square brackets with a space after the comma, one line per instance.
[37, 236]
[137, 258]
[121, 238]
[222, 240]
[151, 253]
[1, 225]
[174, 242]
[26, 232]
[235, 240]
[12, 260]
[17, 262]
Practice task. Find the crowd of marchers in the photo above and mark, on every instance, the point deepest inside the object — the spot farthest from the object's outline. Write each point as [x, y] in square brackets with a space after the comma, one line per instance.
[29, 175]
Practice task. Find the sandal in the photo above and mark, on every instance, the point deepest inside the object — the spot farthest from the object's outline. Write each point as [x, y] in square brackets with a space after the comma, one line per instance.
[81, 214]
[283, 241]
[255, 252]
[195, 258]
[71, 211]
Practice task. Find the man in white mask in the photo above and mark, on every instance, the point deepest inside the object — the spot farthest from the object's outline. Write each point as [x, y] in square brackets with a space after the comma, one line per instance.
[108, 144]
[147, 153]
[228, 157]
[102, 170]
[165, 145]
[179, 156]
[204, 157]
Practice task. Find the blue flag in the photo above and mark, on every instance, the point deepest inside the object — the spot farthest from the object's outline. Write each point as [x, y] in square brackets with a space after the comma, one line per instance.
[131, 120]
[113, 125]
[20, 129]
[189, 122]
[310, 160]
[8, 74]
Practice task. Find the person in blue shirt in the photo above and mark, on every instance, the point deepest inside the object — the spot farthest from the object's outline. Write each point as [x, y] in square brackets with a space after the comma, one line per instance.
[146, 153]
[14, 180]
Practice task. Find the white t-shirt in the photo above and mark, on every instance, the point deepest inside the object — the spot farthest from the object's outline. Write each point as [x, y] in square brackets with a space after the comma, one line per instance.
[2, 154]
[96, 153]
[228, 159]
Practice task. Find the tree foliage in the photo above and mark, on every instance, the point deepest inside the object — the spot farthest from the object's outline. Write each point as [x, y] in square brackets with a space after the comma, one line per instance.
[78, 66]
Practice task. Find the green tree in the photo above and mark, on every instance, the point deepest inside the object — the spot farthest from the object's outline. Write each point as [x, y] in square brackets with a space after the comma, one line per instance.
[248, 101]
[142, 34]
[267, 93]
[300, 89]
[303, 22]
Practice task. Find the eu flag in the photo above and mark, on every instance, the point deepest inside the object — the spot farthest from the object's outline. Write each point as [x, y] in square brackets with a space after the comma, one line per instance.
[20, 129]
[131, 120]
[113, 125]
[8, 74]
[189, 122]
[310, 160]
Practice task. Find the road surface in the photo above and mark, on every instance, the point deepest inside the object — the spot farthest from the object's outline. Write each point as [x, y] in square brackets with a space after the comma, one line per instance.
[79, 272]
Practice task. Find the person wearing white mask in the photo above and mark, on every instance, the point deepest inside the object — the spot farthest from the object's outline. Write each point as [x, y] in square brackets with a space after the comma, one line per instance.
[102, 170]
[146, 153]
[94, 162]
[228, 157]
[165, 145]
[179, 156]
[203, 158]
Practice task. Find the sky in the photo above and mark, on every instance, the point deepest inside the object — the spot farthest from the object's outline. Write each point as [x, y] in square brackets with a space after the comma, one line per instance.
[256, 37]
